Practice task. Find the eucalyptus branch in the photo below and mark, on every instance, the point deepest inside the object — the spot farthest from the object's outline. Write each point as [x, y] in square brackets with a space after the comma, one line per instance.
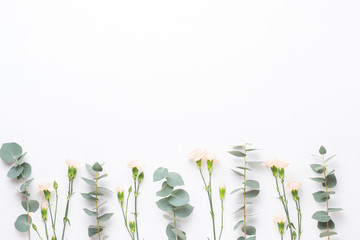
[250, 188]
[12, 153]
[94, 196]
[328, 181]
[174, 202]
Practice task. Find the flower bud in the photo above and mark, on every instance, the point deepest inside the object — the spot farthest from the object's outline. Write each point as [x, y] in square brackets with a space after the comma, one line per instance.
[222, 190]
[55, 185]
[53, 238]
[210, 165]
[120, 194]
[135, 172]
[274, 171]
[141, 177]
[281, 172]
[132, 225]
[72, 169]
[295, 194]
[34, 227]
[44, 209]
[280, 220]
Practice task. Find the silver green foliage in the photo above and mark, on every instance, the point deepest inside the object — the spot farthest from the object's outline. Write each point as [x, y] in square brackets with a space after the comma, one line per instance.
[175, 202]
[12, 154]
[248, 190]
[94, 196]
[327, 181]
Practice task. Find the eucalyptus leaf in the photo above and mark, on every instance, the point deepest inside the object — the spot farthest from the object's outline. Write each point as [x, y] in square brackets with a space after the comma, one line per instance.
[33, 205]
[92, 230]
[164, 204]
[10, 152]
[179, 198]
[251, 193]
[183, 211]
[317, 168]
[322, 150]
[166, 190]
[23, 223]
[250, 230]
[237, 153]
[331, 181]
[238, 173]
[174, 179]
[26, 170]
[160, 174]
[89, 212]
[252, 184]
[323, 225]
[97, 167]
[105, 217]
[25, 185]
[326, 234]
[321, 216]
[15, 171]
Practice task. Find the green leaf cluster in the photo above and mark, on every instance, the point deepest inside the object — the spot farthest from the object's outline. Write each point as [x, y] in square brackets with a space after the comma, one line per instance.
[94, 196]
[328, 181]
[249, 189]
[174, 201]
[12, 154]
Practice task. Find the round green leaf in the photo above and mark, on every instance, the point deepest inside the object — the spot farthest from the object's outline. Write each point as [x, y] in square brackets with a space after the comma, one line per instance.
[251, 193]
[15, 171]
[10, 152]
[183, 211]
[160, 174]
[322, 150]
[27, 170]
[250, 230]
[323, 225]
[174, 179]
[164, 204]
[165, 190]
[331, 181]
[179, 198]
[97, 167]
[33, 205]
[22, 224]
[321, 216]
[252, 184]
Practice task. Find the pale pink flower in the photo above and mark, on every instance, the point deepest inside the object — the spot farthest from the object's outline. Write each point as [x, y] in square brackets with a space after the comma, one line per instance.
[271, 162]
[222, 185]
[281, 164]
[72, 163]
[279, 219]
[46, 186]
[135, 163]
[294, 185]
[198, 154]
[210, 156]
[44, 205]
[119, 189]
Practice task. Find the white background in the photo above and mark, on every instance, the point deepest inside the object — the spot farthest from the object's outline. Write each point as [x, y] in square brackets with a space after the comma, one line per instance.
[110, 81]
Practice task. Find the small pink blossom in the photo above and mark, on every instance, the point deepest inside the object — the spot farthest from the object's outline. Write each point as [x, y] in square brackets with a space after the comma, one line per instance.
[280, 218]
[46, 186]
[135, 163]
[294, 185]
[198, 154]
[72, 163]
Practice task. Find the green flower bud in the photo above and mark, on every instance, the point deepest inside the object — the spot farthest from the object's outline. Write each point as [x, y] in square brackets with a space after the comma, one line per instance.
[53, 238]
[198, 163]
[141, 177]
[281, 172]
[120, 194]
[295, 194]
[274, 171]
[130, 189]
[44, 210]
[55, 185]
[281, 227]
[34, 227]
[72, 173]
[210, 165]
[135, 172]
[47, 195]
[222, 190]
[132, 226]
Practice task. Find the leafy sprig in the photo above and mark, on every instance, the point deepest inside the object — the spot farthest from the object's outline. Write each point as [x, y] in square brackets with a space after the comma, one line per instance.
[249, 190]
[12, 154]
[94, 196]
[174, 201]
[327, 181]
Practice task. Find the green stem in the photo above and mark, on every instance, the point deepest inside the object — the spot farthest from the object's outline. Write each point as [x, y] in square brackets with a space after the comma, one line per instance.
[70, 192]
[28, 214]
[176, 236]
[222, 218]
[209, 193]
[136, 193]
[284, 203]
[46, 231]
[327, 196]
[38, 234]
[97, 207]
[297, 202]
[52, 220]
[125, 220]
[56, 205]
[244, 193]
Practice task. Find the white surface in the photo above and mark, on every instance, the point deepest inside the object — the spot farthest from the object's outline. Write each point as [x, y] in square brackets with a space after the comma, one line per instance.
[114, 80]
